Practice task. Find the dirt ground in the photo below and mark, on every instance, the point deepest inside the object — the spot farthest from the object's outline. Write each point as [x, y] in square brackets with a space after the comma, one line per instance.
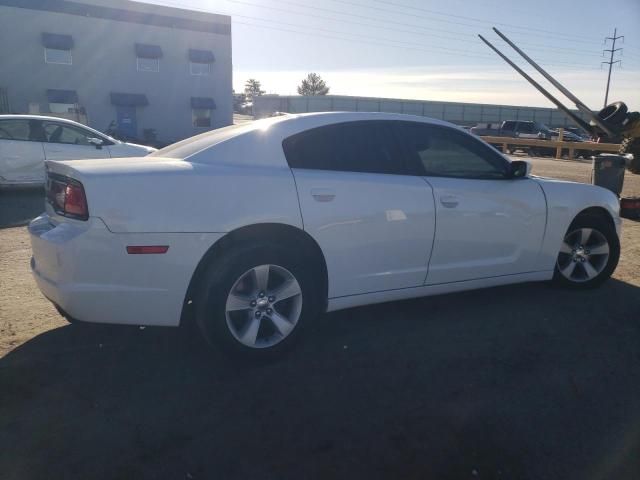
[518, 382]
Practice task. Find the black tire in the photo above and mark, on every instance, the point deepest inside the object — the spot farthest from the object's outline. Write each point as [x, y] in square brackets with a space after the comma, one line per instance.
[599, 224]
[614, 113]
[222, 274]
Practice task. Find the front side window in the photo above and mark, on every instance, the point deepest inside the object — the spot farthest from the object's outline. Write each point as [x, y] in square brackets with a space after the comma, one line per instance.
[59, 133]
[445, 152]
[148, 64]
[201, 117]
[200, 68]
[367, 147]
[53, 55]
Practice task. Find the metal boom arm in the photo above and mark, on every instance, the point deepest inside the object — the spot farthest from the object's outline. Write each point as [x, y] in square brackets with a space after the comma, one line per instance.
[577, 120]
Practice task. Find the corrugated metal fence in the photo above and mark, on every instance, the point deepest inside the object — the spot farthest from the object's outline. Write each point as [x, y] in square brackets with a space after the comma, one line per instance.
[466, 114]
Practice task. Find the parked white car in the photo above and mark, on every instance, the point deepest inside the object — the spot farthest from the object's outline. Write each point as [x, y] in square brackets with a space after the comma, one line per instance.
[26, 141]
[250, 231]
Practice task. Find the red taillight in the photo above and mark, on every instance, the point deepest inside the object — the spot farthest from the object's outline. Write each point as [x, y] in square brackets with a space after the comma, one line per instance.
[75, 203]
[66, 196]
[147, 249]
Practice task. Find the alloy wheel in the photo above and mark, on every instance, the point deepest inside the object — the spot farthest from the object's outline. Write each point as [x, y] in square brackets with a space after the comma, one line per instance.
[263, 306]
[583, 255]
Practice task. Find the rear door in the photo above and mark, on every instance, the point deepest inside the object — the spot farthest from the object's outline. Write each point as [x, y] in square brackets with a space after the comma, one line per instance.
[373, 220]
[21, 151]
[487, 225]
[68, 142]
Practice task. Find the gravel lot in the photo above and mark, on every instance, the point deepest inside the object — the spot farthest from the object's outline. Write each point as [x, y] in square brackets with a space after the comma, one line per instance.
[519, 382]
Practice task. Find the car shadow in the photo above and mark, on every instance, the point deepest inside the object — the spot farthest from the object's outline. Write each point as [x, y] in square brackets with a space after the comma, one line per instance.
[18, 207]
[516, 382]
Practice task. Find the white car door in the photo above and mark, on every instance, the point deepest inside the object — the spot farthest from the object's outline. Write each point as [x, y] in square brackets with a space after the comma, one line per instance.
[487, 224]
[21, 152]
[373, 221]
[67, 142]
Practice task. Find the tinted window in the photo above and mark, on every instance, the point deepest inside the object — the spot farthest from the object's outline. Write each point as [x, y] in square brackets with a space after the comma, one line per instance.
[349, 147]
[445, 152]
[58, 133]
[509, 125]
[526, 127]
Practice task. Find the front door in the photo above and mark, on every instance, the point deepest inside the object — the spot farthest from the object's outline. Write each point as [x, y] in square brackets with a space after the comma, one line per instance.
[373, 221]
[127, 122]
[68, 142]
[487, 225]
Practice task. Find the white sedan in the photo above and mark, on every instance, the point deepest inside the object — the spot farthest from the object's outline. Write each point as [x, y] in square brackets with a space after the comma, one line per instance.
[250, 231]
[26, 141]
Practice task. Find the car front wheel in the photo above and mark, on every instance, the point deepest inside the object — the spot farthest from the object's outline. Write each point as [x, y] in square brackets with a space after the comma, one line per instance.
[589, 253]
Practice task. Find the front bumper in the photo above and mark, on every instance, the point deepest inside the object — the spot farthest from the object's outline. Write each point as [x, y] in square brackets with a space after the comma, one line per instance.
[84, 269]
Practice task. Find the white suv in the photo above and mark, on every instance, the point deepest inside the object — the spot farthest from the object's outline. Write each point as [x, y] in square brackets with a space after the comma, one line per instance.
[26, 141]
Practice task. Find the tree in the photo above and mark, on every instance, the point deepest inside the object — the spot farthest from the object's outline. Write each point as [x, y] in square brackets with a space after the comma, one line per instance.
[253, 88]
[313, 85]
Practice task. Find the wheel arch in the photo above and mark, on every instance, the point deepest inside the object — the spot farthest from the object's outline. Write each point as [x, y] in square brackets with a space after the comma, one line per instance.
[596, 211]
[278, 232]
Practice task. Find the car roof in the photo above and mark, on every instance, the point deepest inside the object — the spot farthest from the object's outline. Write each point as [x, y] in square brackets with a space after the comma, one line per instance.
[39, 117]
[281, 127]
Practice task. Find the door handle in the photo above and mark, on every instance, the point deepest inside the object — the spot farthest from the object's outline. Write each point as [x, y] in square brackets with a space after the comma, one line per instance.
[449, 201]
[322, 194]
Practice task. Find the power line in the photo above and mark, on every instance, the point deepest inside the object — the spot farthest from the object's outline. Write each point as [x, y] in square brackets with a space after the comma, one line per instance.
[365, 39]
[463, 17]
[612, 51]
[470, 39]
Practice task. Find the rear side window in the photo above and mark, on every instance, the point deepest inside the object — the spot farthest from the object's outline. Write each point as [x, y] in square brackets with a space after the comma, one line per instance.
[367, 147]
[445, 152]
[526, 127]
[18, 129]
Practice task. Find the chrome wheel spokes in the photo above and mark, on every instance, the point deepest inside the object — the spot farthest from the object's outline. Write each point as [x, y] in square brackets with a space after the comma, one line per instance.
[263, 306]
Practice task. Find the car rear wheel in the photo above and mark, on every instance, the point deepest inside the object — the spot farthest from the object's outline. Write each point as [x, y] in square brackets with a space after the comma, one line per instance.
[589, 253]
[256, 301]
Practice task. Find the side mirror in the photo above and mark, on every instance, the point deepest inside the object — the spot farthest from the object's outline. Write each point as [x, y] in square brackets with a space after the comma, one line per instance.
[519, 169]
[96, 141]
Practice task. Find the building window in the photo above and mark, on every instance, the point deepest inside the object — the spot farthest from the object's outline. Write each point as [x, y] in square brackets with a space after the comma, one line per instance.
[201, 117]
[200, 68]
[148, 64]
[62, 107]
[54, 55]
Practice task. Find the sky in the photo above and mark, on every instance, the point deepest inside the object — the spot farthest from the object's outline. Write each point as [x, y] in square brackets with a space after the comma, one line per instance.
[429, 50]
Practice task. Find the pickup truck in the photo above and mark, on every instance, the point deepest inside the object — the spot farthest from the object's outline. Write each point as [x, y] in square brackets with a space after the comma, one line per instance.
[527, 129]
[514, 128]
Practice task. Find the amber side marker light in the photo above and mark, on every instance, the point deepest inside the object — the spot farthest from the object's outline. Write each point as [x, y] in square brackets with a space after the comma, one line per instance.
[146, 249]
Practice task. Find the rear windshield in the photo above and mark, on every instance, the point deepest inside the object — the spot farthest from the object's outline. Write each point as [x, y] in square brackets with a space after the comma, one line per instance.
[192, 145]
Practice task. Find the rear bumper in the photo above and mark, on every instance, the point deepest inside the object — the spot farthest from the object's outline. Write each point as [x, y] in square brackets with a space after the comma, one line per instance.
[84, 269]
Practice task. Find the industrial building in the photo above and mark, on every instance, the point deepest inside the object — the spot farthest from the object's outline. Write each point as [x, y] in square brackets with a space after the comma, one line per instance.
[464, 114]
[144, 72]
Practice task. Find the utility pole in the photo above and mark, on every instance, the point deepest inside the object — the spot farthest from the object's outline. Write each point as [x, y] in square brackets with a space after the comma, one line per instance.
[611, 62]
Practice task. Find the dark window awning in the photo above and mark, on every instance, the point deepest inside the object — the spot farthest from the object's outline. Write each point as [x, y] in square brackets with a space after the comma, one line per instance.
[129, 99]
[203, 102]
[62, 96]
[57, 41]
[148, 51]
[201, 56]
